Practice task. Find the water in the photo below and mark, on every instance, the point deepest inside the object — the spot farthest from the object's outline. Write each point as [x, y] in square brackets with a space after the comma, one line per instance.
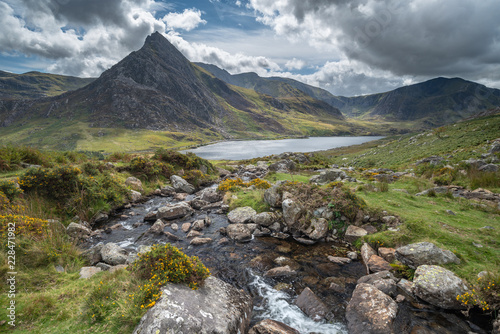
[248, 149]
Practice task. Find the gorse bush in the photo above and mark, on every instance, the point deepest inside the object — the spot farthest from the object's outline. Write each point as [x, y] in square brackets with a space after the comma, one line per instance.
[11, 157]
[150, 169]
[237, 183]
[485, 294]
[183, 161]
[56, 183]
[197, 177]
[10, 189]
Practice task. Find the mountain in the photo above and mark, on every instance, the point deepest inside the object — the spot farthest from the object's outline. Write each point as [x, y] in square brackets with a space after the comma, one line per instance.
[431, 103]
[157, 89]
[36, 84]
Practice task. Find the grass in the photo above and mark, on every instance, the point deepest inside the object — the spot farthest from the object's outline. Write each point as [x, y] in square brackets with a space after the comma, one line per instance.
[251, 198]
[273, 177]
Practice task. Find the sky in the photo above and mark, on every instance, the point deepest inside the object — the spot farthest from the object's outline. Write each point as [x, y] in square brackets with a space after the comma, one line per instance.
[348, 47]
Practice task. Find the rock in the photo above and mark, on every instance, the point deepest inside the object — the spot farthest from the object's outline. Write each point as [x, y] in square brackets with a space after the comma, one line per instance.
[273, 197]
[134, 183]
[305, 241]
[167, 191]
[268, 326]
[241, 215]
[388, 254]
[198, 203]
[317, 228]
[117, 267]
[78, 231]
[185, 227]
[171, 236]
[417, 254]
[376, 264]
[339, 260]
[174, 227]
[194, 234]
[366, 254]
[496, 323]
[389, 219]
[439, 286]
[87, 272]
[200, 241]
[283, 166]
[100, 218]
[198, 225]
[383, 280]
[181, 185]
[489, 168]
[406, 286]
[265, 218]
[450, 212]
[210, 195]
[370, 311]
[291, 212]
[352, 255]
[280, 272]
[157, 227]
[113, 254]
[328, 176]
[59, 269]
[353, 233]
[216, 307]
[174, 211]
[135, 196]
[433, 160]
[93, 255]
[311, 305]
[103, 266]
[239, 232]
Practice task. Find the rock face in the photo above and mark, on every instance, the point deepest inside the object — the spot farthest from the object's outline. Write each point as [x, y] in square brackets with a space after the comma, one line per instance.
[414, 255]
[370, 311]
[268, 326]
[174, 211]
[215, 308]
[241, 215]
[113, 254]
[439, 287]
[181, 185]
[311, 305]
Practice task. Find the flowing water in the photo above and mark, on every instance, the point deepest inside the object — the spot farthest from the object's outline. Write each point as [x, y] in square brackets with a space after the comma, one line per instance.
[248, 149]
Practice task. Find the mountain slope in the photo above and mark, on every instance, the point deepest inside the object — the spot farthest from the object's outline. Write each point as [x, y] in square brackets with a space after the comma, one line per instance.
[157, 89]
[432, 103]
[36, 84]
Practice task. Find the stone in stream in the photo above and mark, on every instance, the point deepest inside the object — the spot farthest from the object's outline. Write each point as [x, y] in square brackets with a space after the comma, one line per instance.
[241, 215]
[366, 254]
[353, 233]
[194, 234]
[268, 326]
[198, 225]
[417, 254]
[216, 307]
[439, 287]
[174, 227]
[174, 211]
[185, 227]
[291, 212]
[239, 232]
[265, 218]
[113, 254]
[78, 231]
[317, 228]
[93, 255]
[198, 203]
[370, 311]
[171, 236]
[388, 254]
[339, 260]
[311, 305]
[376, 264]
[157, 227]
[210, 195]
[135, 196]
[383, 280]
[280, 271]
[200, 241]
[181, 185]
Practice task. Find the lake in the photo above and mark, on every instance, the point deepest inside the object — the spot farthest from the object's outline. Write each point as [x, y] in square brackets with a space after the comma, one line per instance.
[248, 149]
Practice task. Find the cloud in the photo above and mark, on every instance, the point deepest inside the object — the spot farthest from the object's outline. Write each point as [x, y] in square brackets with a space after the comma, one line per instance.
[187, 20]
[295, 64]
[414, 38]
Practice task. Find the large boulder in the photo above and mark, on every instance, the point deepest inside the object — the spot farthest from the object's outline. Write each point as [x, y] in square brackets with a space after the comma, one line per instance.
[210, 195]
[265, 218]
[370, 311]
[291, 212]
[241, 215]
[135, 196]
[113, 254]
[272, 196]
[316, 229]
[93, 255]
[311, 305]
[215, 308]
[174, 211]
[329, 175]
[78, 231]
[157, 227]
[268, 326]
[134, 183]
[353, 233]
[181, 185]
[239, 232]
[282, 166]
[439, 286]
[417, 254]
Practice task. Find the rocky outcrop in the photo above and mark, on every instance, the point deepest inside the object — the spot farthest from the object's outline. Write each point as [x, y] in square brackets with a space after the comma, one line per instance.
[241, 215]
[268, 326]
[370, 311]
[181, 185]
[113, 254]
[174, 211]
[417, 254]
[439, 286]
[215, 308]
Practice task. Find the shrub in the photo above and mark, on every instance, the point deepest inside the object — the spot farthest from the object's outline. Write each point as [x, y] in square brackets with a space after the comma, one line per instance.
[56, 183]
[120, 156]
[196, 177]
[485, 293]
[9, 189]
[24, 226]
[166, 263]
[99, 303]
[150, 169]
[235, 184]
[185, 161]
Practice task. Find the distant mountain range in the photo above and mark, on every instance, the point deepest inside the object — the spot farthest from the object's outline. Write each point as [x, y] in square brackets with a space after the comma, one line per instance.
[156, 97]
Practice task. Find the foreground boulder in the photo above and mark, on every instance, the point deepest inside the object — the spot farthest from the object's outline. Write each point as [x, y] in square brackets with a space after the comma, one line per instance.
[268, 326]
[241, 215]
[174, 211]
[439, 287]
[370, 311]
[417, 254]
[215, 308]
[181, 185]
[113, 254]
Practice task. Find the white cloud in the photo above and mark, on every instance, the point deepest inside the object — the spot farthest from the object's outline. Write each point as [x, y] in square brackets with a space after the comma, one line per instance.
[295, 64]
[188, 20]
